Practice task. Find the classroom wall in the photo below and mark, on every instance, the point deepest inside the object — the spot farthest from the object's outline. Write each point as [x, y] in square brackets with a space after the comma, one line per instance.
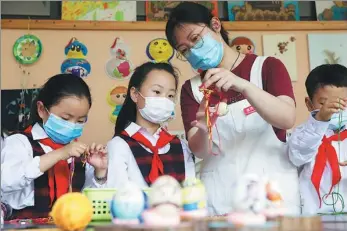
[99, 127]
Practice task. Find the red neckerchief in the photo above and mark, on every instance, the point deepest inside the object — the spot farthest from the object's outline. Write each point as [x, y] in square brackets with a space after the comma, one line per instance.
[327, 154]
[58, 175]
[157, 165]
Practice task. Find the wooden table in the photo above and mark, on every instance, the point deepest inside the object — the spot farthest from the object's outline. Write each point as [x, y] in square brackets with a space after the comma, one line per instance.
[330, 223]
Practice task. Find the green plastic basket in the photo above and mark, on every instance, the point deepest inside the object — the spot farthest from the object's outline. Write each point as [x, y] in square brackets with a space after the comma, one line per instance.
[101, 199]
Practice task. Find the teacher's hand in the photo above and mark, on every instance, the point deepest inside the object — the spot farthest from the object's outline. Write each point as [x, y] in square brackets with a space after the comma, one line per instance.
[224, 80]
[200, 121]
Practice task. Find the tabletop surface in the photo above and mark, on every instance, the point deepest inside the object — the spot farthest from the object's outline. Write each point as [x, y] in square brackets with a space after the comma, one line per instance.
[330, 223]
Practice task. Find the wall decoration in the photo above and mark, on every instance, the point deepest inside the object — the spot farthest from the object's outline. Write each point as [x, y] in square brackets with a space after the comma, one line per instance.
[263, 11]
[243, 45]
[283, 47]
[160, 10]
[159, 50]
[99, 10]
[76, 62]
[327, 49]
[16, 107]
[27, 49]
[116, 98]
[119, 66]
[331, 10]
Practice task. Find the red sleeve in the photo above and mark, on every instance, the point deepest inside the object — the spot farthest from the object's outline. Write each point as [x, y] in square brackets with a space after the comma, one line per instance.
[277, 79]
[189, 106]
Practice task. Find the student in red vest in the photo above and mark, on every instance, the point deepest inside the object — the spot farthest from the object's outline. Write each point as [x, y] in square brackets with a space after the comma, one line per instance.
[319, 145]
[142, 149]
[37, 162]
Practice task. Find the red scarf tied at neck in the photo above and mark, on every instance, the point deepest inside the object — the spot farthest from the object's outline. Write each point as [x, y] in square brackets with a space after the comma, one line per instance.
[327, 154]
[58, 175]
[157, 165]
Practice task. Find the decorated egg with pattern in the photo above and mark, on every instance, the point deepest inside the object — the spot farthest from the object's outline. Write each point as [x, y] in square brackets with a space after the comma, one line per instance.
[128, 203]
[193, 194]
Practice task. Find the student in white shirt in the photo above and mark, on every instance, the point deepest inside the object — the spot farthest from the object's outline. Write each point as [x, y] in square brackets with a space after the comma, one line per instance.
[36, 164]
[142, 149]
[314, 145]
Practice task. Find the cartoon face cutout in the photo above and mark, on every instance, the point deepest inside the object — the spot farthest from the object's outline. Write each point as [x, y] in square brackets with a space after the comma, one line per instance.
[160, 50]
[118, 95]
[243, 45]
[75, 50]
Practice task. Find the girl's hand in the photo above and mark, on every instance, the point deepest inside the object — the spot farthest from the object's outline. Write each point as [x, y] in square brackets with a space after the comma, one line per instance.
[224, 80]
[98, 158]
[74, 149]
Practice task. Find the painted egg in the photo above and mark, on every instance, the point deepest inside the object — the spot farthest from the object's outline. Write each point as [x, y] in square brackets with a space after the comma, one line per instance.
[222, 109]
[128, 202]
[165, 189]
[249, 194]
[193, 195]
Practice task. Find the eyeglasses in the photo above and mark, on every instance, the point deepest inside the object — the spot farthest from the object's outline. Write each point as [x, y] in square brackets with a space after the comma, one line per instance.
[197, 41]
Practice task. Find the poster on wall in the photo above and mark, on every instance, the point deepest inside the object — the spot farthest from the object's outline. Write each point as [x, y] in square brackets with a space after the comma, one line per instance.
[283, 47]
[323, 52]
[331, 10]
[263, 11]
[99, 10]
[160, 10]
[16, 107]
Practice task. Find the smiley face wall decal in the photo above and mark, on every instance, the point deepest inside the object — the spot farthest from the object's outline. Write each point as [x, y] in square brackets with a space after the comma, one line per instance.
[159, 50]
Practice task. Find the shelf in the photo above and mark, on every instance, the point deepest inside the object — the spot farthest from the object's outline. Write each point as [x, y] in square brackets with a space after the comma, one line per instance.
[157, 26]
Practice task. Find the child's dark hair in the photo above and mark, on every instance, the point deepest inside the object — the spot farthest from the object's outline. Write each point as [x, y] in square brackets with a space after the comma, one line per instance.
[193, 13]
[57, 88]
[128, 112]
[326, 75]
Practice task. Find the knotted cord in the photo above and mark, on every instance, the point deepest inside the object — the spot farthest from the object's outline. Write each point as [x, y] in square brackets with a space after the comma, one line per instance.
[211, 116]
[336, 196]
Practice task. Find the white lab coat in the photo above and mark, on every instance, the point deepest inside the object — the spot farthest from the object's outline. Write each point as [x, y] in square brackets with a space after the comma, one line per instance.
[249, 145]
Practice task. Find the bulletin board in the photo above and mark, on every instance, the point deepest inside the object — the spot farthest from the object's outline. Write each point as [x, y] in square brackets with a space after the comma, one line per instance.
[99, 36]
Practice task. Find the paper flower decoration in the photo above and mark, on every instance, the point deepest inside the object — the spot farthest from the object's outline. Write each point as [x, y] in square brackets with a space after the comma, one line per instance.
[27, 49]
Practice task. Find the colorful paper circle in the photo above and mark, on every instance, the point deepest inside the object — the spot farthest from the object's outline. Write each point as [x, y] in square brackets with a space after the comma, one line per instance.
[27, 49]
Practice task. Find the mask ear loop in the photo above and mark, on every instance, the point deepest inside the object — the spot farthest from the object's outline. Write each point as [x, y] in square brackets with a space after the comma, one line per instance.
[210, 117]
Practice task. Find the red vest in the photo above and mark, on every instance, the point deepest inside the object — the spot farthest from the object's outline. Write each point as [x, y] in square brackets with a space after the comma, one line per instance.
[42, 200]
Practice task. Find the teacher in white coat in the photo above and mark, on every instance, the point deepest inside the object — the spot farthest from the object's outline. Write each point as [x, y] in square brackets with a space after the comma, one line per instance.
[261, 106]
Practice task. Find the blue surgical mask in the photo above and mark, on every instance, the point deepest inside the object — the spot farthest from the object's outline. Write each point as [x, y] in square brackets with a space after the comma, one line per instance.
[206, 54]
[62, 131]
[337, 123]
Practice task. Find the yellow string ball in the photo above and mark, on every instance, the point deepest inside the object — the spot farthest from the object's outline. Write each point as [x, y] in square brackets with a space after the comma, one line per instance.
[72, 212]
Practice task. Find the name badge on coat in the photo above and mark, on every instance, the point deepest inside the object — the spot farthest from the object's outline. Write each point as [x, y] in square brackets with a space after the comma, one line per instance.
[249, 110]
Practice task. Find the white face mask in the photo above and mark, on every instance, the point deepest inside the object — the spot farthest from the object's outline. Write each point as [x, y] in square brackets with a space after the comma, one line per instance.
[157, 109]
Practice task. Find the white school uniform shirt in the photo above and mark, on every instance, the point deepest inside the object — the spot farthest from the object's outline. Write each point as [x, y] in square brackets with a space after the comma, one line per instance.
[122, 165]
[19, 169]
[248, 145]
[303, 148]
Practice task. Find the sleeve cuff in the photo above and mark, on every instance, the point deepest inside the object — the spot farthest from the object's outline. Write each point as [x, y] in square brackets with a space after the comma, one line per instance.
[32, 170]
[319, 127]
